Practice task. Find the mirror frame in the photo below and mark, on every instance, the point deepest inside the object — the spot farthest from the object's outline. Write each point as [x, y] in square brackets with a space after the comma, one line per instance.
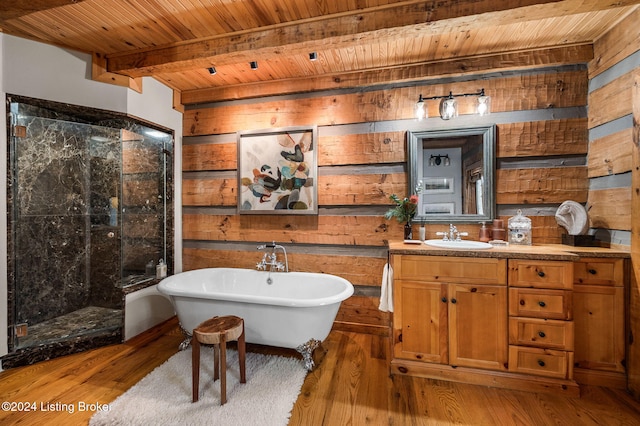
[414, 148]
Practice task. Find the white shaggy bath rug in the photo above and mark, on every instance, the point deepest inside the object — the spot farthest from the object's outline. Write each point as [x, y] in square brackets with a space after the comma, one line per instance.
[163, 397]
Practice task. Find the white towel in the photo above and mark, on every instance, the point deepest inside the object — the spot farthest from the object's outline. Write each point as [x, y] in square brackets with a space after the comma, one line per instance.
[386, 290]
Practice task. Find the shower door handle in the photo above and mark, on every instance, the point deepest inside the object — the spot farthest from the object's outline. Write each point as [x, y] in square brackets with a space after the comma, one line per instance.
[111, 234]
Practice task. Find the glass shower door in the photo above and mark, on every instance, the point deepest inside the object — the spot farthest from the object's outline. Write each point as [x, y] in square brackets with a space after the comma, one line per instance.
[66, 278]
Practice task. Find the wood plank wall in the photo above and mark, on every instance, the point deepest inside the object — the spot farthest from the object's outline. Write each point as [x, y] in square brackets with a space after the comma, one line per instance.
[616, 58]
[614, 159]
[542, 142]
[633, 354]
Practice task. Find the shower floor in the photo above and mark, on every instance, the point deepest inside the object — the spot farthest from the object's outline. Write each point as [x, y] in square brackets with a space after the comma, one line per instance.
[92, 320]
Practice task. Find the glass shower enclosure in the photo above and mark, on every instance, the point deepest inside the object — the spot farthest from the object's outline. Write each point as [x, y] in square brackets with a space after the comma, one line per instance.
[89, 217]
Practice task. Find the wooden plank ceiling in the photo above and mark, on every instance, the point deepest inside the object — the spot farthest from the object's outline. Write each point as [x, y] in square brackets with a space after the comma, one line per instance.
[357, 42]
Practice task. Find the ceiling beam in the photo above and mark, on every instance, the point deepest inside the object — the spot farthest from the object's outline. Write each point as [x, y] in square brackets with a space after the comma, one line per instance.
[11, 9]
[362, 26]
[504, 61]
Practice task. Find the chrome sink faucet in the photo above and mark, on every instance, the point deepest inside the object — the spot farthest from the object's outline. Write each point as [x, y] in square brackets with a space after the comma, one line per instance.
[453, 234]
[271, 259]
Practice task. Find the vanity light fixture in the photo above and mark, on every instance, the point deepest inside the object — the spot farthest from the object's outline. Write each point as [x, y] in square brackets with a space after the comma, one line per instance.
[212, 70]
[449, 105]
[313, 56]
[254, 65]
[439, 160]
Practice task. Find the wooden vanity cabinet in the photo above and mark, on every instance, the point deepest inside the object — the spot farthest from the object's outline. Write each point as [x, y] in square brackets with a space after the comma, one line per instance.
[449, 311]
[599, 313]
[532, 318]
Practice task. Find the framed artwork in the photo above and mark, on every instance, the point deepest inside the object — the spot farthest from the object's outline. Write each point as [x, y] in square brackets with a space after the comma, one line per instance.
[277, 171]
[437, 208]
[437, 185]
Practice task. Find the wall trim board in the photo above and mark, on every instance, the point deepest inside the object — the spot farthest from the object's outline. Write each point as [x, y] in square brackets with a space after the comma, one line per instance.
[527, 210]
[612, 236]
[622, 180]
[614, 126]
[621, 68]
[541, 162]
[436, 123]
[327, 249]
[367, 210]
[388, 86]
[209, 174]
[364, 169]
[212, 211]
[220, 138]
[360, 210]
[367, 290]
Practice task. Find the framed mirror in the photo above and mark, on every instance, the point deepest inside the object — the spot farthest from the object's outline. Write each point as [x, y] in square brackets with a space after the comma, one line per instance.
[453, 173]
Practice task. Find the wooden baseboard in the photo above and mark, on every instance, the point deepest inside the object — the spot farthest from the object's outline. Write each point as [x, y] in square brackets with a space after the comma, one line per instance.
[608, 379]
[497, 379]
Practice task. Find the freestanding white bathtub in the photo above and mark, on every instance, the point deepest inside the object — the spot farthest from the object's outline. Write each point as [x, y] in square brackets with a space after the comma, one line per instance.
[284, 309]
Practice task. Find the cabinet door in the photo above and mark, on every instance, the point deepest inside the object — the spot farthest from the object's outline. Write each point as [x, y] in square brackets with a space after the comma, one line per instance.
[478, 326]
[420, 321]
[599, 326]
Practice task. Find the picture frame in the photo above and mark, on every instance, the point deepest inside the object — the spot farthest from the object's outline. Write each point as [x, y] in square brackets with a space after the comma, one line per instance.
[438, 185]
[277, 171]
[437, 208]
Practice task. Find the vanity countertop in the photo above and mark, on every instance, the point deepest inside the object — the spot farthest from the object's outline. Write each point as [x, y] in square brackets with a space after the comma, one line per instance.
[535, 251]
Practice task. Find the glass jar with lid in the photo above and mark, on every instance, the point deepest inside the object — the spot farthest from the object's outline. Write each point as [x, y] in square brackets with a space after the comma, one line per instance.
[519, 229]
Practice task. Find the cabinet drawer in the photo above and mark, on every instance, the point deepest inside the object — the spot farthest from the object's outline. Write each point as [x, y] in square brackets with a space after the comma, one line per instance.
[541, 333]
[598, 271]
[540, 273]
[541, 362]
[464, 270]
[538, 303]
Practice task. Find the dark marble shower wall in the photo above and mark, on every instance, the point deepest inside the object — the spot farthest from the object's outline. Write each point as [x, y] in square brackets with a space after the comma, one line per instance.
[67, 250]
[105, 250]
[53, 215]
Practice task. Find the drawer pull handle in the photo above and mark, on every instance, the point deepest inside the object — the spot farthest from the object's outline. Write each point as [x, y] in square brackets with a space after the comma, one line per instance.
[521, 302]
[454, 300]
[541, 363]
[541, 334]
[541, 274]
[542, 304]
[593, 271]
[444, 300]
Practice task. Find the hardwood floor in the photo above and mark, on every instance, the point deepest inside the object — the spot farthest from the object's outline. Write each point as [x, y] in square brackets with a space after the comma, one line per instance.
[351, 386]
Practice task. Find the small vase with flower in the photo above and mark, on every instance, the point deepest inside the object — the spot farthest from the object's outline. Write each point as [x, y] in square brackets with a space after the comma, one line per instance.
[403, 212]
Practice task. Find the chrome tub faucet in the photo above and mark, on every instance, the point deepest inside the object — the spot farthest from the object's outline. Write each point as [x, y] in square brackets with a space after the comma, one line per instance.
[270, 260]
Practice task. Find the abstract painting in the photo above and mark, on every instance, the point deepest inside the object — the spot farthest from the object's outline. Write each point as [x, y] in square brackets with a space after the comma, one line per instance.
[277, 171]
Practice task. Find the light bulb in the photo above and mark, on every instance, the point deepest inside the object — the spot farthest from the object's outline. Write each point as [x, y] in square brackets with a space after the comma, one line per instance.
[448, 108]
[484, 105]
[420, 109]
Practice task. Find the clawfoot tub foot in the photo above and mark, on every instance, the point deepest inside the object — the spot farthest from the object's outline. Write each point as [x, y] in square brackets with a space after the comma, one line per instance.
[187, 339]
[312, 353]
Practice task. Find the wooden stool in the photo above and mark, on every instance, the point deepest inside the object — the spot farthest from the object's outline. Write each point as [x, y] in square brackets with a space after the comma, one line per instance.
[218, 331]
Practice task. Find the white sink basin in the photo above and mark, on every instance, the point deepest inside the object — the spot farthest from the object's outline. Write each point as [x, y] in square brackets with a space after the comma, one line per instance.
[460, 245]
